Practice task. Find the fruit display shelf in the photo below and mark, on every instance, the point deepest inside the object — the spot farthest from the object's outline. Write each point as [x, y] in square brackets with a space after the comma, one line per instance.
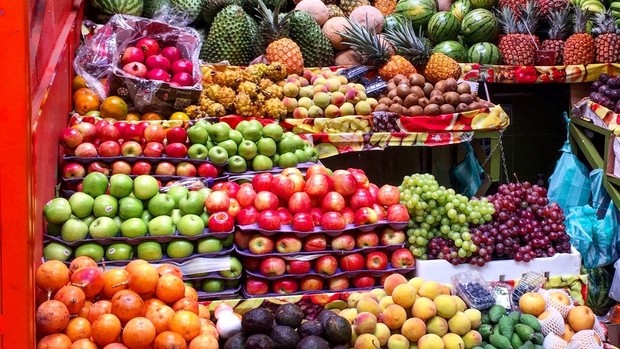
[537, 74]
[288, 229]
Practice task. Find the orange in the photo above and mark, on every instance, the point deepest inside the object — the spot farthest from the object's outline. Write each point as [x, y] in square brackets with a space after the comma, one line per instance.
[179, 116]
[105, 330]
[133, 117]
[150, 116]
[113, 107]
[78, 82]
[185, 323]
[86, 102]
[82, 91]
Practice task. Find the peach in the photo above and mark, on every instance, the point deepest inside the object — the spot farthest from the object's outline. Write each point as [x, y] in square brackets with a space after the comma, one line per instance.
[366, 341]
[416, 282]
[319, 89]
[459, 323]
[392, 281]
[460, 303]
[305, 102]
[382, 332]
[349, 314]
[475, 317]
[300, 113]
[413, 329]
[290, 89]
[398, 341]
[446, 306]
[394, 316]
[430, 341]
[364, 323]
[385, 302]
[452, 341]
[332, 111]
[379, 293]
[353, 299]
[315, 112]
[424, 308]
[368, 305]
[404, 295]
[337, 98]
[333, 84]
[437, 325]
[472, 339]
[430, 289]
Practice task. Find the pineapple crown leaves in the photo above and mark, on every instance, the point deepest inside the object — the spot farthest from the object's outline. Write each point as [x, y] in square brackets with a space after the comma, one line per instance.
[560, 24]
[366, 42]
[605, 23]
[530, 17]
[507, 20]
[408, 44]
[580, 19]
[273, 25]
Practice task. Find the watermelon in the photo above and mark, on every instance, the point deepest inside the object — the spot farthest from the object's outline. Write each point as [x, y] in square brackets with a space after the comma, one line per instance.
[483, 53]
[452, 49]
[460, 8]
[479, 25]
[443, 26]
[488, 4]
[108, 8]
[599, 284]
[390, 21]
[417, 11]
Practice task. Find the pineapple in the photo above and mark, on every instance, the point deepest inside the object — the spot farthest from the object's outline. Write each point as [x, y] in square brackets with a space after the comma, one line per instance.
[579, 47]
[347, 6]
[437, 66]
[230, 38]
[559, 27]
[386, 7]
[334, 11]
[518, 46]
[315, 47]
[548, 6]
[514, 5]
[607, 38]
[281, 49]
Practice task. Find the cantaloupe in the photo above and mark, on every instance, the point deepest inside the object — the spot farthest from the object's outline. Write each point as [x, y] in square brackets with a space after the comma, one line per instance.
[316, 8]
[368, 16]
[348, 57]
[332, 29]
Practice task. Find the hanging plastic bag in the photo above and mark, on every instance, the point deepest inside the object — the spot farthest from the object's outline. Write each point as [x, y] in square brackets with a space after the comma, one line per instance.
[467, 176]
[569, 184]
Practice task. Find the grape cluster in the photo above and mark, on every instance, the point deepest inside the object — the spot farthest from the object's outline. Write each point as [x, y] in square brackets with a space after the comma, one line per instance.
[438, 212]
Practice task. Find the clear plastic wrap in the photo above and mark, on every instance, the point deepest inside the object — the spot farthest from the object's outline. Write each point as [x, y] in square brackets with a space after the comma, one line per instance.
[98, 61]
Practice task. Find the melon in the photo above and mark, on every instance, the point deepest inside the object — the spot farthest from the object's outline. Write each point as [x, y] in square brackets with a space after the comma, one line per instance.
[479, 25]
[443, 26]
[460, 8]
[452, 49]
[348, 57]
[417, 11]
[115, 7]
[316, 8]
[332, 29]
[483, 53]
[368, 16]
[488, 4]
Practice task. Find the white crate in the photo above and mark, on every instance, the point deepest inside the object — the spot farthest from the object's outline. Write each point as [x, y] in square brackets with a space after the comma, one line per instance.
[562, 264]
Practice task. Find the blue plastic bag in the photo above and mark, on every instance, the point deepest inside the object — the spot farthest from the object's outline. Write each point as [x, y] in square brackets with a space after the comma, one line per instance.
[569, 185]
[466, 177]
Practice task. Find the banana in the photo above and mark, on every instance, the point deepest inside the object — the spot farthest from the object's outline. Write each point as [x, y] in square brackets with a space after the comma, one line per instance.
[594, 7]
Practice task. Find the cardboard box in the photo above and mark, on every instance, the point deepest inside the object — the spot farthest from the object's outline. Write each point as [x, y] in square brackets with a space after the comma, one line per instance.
[561, 264]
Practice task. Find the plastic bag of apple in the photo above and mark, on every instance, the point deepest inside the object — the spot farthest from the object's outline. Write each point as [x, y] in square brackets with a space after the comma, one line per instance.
[152, 65]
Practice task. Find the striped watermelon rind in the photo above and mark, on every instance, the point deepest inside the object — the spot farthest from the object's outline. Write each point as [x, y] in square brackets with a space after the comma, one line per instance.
[123, 7]
[487, 4]
[417, 11]
[443, 26]
[460, 8]
[452, 49]
[484, 53]
[479, 25]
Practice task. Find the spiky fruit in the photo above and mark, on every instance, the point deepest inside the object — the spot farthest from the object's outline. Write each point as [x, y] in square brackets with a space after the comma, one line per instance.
[514, 5]
[315, 48]
[243, 105]
[275, 109]
[334, 11]
[386, 7]
[249, 88]
[518, 46]
[287, 52]
[226, 97]
[348, 6]
[549, 6]
[276, 71]
[606, 38]
[558, 30]
[256, 71]
[230, 38]
[579, 47]
[216, 110]
[273, 91]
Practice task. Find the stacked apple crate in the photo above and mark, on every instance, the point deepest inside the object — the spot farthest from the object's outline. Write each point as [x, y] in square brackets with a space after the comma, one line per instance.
[111, 207]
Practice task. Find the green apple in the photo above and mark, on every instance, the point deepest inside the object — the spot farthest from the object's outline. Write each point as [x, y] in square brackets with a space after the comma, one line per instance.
[119, 252]
[252, 133]
[81, 204]
[130, 207]
[190, 225]
[161, 226]
[121, 185]
[299, 142]
[247, 149]
[302, 156]
[88, 219]
[230, 146]
[288, 134]
[179, 249]
[205, 217]
[198, 134]
[235, 136]
[273, 131]
[91, 250]
[257, 123]
[105, 206]
[267, 147]
[275, 159]
[53, 229]
[210, 144]
[231, 284]
[212, 285]
[313, 154]
[95, 184]
[228, 241]
[161, 205]
[219, 132]
[262, 163]
[149, 251]
[103, 227]
[288, 160]
[242, 125]
[218, 155]
[133, 228]
[178, 192]
[198, 151]
[56, 251]
[205, 191]
[176, 216]
[234, 270]
[118, 220]
[145, 187]
[287, 145]
[210, 245]
[193, 203]
[236, 164]
[146, 216]
[57, 211]
[74, 230]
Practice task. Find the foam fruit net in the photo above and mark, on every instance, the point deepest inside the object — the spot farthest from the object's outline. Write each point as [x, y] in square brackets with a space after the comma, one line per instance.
[552, 341]
[554, 323]
[563, 309]
[586, 339]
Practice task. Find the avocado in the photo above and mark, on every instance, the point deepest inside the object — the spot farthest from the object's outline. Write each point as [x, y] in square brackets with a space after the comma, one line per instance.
[289, 315]
[259, 341]
[258, 320]
[310, 328]
[337, 330]
[324, 315]
[284, 337]
[313, 342]
[236, 342]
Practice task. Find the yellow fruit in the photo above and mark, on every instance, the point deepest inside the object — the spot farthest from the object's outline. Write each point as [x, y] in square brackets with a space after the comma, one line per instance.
[385, 302]
[475, 317]
[394, 316]
[460, 303]
[430, 289]
[113, 107]
[424, 308]
[459, 324]
[413, 329]
[369, 305]
[366, 341]
[437, 325]
[392, 281]
[404, 295]
[446, 306]
[179, 116]
[580, 318]
[430, 341]
[453, 341]
[532, 303]
[382, 332]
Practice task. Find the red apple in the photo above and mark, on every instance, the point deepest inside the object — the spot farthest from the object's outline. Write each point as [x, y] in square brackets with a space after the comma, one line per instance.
[245, 195]
[247, 215]
[316, 214]
[397, 213]
[260, 244]
[344, 182]
[153, 149]
[380, 211]
[315, 242]
[366, 215]
[360, 178]
[269, 220]
[333, 201]
[390, 236]
[285, 286]
[388, 195]
[86, 150]
[299, 202]
[132, 133]
[186, 169]
[376, 260]
[208, 170]
[298, 181]
[262, 182]
[326, 265]
[165, 168]
[317, 185]
[402, 258]
[108, 132]
[217, 201]
[255, 287]
[266, 200]
[367, 239]
[141, 168]
[339, 283]
[242, 239]
[121, 167]
[251, 264]
[73, 170]
[282, 186]
[234, 208]
[176, 150]
[70, 137]
[109, 149]
[230, 188]
[272, 266]
[361, 198]
[220, 222]
[176, 134]
[131, 148]
[99, 166]
[288, 244]
[317, 169]
[344, 242]
[352, 262]
[374, 191]
[332, 221]
[349, 215]
[303, 222]
[298, 267]
[285, 215]
[87, 130]
[364, 281]
[311, 283]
